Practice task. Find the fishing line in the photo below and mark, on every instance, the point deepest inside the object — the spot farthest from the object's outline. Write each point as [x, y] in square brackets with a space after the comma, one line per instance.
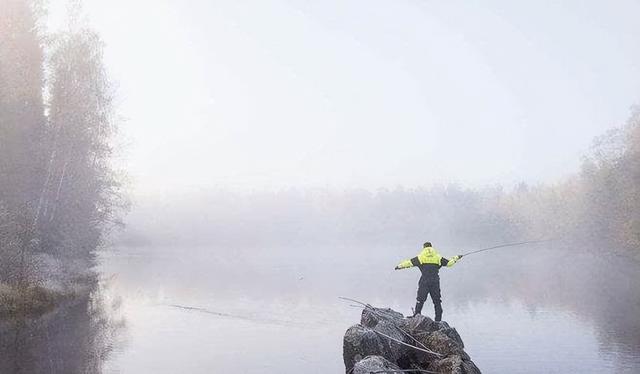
[506, 245]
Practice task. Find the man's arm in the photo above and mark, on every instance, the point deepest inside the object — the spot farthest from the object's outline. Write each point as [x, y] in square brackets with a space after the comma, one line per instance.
[450, 262]
[408, 263]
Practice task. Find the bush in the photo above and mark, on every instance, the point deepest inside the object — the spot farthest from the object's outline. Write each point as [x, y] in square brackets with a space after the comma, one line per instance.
[28, 302]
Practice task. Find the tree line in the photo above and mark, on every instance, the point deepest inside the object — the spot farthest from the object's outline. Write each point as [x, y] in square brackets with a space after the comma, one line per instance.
[598, 206]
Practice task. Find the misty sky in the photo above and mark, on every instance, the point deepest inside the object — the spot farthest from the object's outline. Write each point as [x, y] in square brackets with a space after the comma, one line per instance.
[366, 93]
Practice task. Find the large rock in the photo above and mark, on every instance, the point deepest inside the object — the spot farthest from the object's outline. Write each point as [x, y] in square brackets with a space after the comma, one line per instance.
[372, 316]
[449, 331]
[439, 342]
[358, 343]
[372, 364]
[454, 365]
[420, 323]
[392, 335]
[381, 342]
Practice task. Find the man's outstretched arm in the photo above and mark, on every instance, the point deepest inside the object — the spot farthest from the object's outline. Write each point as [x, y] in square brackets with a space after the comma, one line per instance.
[408, 263]
[450, 262]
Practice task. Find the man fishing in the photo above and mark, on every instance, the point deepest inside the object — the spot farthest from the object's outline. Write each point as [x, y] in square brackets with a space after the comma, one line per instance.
[429, 261]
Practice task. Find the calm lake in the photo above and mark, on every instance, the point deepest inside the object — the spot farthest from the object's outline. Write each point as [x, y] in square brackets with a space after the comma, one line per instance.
[191, 310]
[277, 310]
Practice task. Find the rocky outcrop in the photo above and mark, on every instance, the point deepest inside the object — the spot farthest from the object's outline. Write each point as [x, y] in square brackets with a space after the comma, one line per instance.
[385, 342]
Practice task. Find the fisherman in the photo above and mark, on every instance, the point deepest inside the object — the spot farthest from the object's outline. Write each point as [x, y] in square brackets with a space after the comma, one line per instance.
[429, 261]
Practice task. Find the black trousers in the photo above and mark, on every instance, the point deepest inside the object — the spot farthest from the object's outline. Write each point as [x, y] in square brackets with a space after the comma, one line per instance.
[431, 287]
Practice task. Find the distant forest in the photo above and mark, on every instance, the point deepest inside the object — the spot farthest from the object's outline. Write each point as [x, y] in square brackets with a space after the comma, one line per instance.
[58, 192]
[597, 207]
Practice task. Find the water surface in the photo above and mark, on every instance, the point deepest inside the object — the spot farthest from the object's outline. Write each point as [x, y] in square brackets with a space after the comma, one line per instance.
[277, 310]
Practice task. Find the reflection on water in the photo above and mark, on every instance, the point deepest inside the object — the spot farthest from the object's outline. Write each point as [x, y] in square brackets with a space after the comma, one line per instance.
[197, 311]
[76, 337]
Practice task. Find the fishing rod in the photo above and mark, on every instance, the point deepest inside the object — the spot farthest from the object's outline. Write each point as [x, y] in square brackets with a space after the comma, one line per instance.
[505, 245]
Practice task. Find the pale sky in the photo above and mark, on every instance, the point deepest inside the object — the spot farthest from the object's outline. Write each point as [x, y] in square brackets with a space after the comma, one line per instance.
[365, 93]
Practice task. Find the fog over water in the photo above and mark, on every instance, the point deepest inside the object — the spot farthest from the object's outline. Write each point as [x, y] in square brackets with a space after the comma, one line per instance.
[227, 276]
[279, 307]
[273, 156]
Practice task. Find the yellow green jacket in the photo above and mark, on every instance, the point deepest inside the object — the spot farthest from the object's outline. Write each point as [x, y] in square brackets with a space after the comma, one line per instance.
[429, 261]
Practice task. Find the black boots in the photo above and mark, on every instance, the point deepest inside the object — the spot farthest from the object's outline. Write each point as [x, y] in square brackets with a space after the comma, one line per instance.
[418, 309]
[438, 309]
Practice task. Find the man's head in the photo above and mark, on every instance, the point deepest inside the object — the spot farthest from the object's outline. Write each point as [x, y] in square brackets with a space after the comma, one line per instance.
[426, 244]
